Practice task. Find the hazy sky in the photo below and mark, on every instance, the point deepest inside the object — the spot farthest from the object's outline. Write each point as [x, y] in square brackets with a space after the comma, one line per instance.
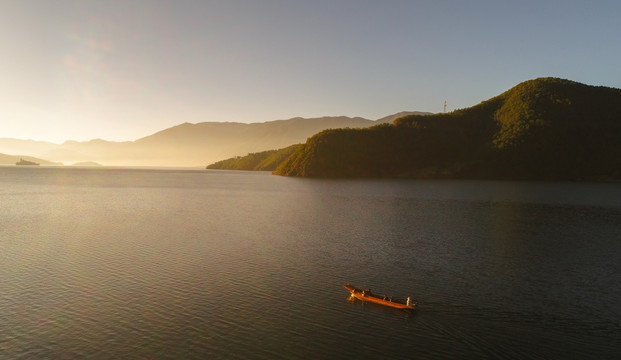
[121, 70]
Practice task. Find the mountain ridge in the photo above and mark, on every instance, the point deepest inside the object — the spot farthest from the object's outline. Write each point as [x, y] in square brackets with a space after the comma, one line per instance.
[187, 144]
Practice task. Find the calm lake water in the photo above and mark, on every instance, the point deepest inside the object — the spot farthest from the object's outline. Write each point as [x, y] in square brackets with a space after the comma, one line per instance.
[187, 264]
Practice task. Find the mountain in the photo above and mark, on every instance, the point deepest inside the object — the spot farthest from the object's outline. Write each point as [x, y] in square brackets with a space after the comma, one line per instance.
[546, 129]
[189, 144]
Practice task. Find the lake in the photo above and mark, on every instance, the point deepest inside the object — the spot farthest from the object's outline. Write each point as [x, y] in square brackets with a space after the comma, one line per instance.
[194, 264]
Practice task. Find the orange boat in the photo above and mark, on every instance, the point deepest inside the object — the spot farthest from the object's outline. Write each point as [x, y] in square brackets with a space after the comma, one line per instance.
[366, 295]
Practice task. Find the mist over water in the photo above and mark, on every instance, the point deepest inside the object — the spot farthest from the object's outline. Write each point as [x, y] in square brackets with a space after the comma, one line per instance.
[136, 263]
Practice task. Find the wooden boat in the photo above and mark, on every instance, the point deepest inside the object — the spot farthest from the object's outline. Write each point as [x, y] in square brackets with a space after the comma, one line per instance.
[367, 295]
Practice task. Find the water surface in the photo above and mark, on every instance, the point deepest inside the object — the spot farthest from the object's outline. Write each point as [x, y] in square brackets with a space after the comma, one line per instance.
[144, 263]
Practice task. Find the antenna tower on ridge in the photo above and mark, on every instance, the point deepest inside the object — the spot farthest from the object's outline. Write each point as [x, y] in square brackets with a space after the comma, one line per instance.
[444, 105]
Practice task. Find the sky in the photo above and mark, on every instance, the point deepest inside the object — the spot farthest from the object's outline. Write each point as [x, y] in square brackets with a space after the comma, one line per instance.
[121, 70]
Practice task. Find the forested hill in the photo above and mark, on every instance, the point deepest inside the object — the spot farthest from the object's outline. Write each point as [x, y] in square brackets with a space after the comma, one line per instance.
[260, 161]
[544, 129]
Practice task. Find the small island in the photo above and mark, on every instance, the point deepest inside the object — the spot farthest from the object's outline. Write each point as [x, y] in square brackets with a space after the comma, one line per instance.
[86, 163]
[26, 162]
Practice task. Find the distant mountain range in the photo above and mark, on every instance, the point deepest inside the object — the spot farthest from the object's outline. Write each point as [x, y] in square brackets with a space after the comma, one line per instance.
[542, 129]
[186, 144]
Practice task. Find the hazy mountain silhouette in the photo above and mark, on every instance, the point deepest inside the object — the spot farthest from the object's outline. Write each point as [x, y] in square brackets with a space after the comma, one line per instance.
[547, 129]
[189, 144]
[17, 146]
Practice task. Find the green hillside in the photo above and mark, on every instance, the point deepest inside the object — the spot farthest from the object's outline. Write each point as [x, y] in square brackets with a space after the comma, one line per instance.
[547, 129]
[260, 161]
